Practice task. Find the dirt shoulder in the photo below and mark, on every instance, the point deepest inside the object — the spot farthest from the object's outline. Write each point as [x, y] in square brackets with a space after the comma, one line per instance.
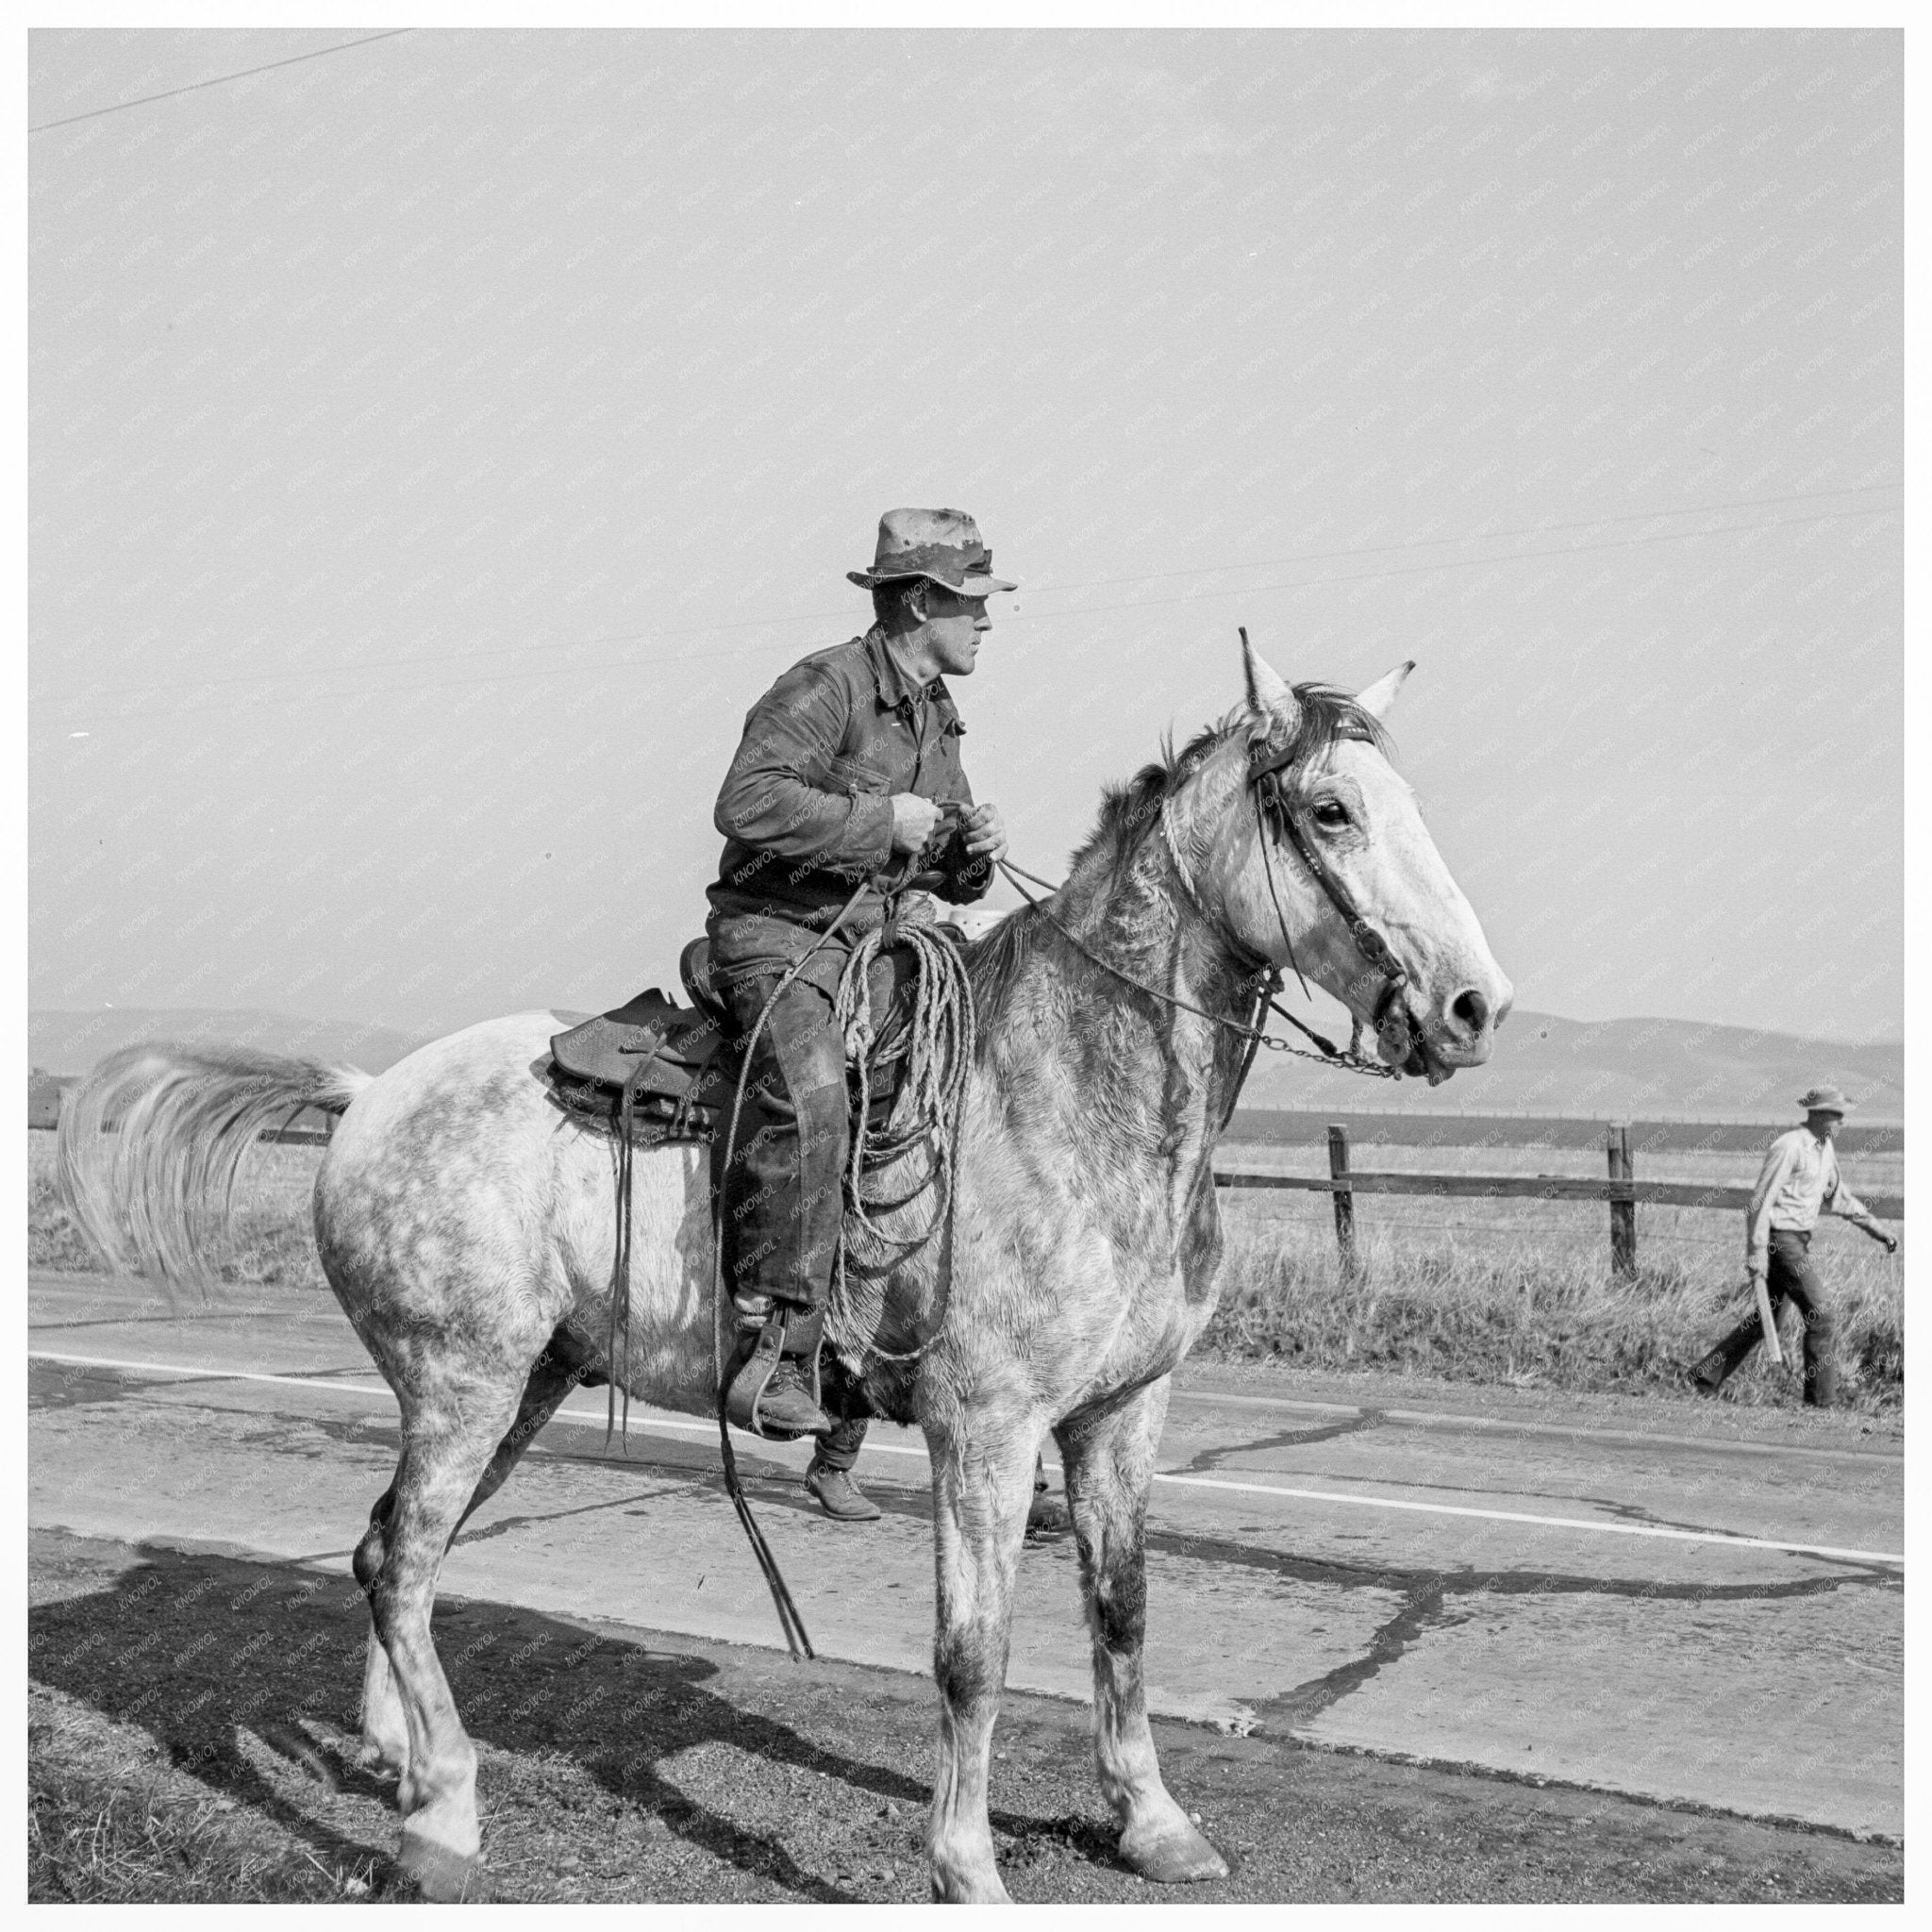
[192, 1737]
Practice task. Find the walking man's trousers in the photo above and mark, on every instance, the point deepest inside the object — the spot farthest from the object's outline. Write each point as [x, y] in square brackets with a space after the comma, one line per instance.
[1789, 1277]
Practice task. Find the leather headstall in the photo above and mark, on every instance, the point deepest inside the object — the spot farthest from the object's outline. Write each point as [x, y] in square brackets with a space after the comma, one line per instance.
[1275, 806]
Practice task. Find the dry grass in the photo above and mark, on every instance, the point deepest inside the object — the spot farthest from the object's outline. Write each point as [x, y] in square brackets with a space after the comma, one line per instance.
[94, 1843]
[113, 1818]
[270, 1239]
[1522, 1293]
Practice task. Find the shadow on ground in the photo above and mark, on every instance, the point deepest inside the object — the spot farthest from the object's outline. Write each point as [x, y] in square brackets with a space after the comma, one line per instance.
[611, 1769]
[216, 1657]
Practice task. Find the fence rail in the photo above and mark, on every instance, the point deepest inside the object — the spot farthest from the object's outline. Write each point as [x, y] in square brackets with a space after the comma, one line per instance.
[1303, 1126]
[1527, 1188]
[1620, 1188]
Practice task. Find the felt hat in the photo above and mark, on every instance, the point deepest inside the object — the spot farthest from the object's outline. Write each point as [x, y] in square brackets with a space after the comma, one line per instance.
[1825, 1100]
[942, 545]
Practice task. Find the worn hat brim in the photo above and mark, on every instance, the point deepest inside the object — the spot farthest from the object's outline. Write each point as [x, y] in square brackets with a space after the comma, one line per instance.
[966, 586]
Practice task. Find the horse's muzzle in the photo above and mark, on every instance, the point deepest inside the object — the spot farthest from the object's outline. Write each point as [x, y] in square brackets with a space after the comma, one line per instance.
[1463, 1033]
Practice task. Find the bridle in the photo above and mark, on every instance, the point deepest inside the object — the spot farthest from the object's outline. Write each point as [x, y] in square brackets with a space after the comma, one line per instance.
[1275, 807]
[1273, 812]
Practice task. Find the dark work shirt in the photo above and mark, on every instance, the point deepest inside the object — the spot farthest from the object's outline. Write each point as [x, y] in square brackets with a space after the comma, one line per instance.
[806, 808]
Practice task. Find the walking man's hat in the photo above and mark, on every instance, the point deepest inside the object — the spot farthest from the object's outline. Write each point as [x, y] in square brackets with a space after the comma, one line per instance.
[1825, 1100]
[942, 545]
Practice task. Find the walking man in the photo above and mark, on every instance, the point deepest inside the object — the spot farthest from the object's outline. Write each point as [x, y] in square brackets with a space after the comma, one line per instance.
[1800, 1176]
[847, 785]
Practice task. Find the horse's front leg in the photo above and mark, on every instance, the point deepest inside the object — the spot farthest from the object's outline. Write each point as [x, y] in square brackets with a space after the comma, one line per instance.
[1107, 1455]
[982, 1487]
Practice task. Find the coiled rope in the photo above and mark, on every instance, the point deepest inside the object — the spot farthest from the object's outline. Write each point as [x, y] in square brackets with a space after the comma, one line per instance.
[932, 1084]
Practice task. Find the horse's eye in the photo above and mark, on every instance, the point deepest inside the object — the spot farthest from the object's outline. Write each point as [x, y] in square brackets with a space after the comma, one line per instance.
[1330, 814]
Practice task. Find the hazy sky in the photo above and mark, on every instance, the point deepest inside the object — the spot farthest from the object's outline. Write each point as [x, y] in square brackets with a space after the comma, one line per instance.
[435, 446]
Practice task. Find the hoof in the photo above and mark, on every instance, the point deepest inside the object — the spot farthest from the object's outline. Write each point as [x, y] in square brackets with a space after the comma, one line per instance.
[442, 1876]
[958, 1889]
[1173, 1854]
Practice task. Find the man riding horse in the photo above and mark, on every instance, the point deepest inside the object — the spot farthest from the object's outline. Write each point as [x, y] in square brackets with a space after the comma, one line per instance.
[467, 1227]
[845, 792]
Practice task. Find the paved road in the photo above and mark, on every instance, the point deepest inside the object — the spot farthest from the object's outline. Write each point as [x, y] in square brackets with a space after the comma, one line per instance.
[1704, 1621]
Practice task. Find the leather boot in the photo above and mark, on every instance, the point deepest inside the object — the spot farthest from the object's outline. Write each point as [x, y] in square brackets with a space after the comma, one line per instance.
[773, 1381]
[839, 1495]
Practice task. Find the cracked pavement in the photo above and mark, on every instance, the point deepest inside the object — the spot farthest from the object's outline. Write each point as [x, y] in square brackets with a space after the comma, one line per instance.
[1766, 1682]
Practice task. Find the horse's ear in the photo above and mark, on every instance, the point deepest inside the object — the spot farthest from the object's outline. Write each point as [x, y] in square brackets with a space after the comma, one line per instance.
[1269, 696]
[1380, 695]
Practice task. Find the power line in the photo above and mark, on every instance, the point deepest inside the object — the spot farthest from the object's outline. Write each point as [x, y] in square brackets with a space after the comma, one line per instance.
[1073, 584]
[814, 616]
[459, 657]
[220, 80]
[1256, 589]
[1476, 563]
[1634, 516]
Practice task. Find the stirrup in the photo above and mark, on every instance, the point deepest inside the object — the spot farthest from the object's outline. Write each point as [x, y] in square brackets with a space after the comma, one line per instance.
[790, 1333]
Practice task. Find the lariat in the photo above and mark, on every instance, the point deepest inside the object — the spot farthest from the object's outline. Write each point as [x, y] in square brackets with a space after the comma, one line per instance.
[932, 1085]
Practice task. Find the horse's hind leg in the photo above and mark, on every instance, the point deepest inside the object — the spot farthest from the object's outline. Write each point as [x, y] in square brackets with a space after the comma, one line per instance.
[385, 1728]
[982, 1488]
[453, 1436]
[1109, 1459]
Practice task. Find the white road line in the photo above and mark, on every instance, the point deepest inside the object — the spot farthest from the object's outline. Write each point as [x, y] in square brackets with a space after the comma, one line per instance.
[204, 1373]
[1348, 1499]
[1602, 1528]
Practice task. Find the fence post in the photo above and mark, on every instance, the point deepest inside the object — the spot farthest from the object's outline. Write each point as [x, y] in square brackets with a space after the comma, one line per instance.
[1623, 1213]
[1344, 1197]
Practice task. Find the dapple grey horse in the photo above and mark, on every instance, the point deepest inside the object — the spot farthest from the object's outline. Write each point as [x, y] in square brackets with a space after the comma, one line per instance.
[467, 1226]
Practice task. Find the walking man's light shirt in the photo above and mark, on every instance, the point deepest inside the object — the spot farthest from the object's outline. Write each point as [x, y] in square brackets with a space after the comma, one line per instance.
[1800, 1177]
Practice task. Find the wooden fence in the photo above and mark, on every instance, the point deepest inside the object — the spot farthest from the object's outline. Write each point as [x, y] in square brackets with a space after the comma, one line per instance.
[1282, 1126]
[1619, 1188]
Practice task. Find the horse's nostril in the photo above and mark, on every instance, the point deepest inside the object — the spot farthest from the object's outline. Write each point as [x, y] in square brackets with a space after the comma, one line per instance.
[1471, 1010]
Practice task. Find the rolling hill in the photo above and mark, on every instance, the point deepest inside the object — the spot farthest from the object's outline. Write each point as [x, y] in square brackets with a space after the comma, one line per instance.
[1607, 1069]
[71, 1042]
[1613, 1069]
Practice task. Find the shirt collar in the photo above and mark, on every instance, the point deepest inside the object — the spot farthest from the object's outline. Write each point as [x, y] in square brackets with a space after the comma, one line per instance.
[895, 692]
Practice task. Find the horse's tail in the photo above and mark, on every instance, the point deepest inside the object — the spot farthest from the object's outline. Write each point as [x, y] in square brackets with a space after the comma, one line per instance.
[150, 1144]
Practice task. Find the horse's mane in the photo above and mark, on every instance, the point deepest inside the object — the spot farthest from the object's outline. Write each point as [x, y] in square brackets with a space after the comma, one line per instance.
[1325, 717]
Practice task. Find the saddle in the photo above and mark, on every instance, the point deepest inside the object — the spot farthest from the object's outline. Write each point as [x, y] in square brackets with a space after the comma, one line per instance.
[684, 1061]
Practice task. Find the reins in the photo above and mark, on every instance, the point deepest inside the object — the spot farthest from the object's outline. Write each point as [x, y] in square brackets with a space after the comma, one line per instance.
[1266, 976]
